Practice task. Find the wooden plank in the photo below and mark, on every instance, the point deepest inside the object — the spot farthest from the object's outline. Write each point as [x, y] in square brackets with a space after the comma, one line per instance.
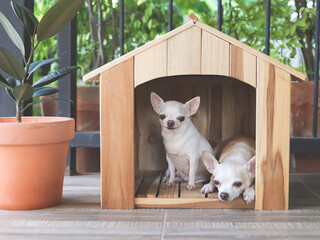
[151, 63]
[215, 111]
[149, 186]
[273, 137]
[228, 111]
[188, 203]
[167, 192]
[250, 121]
[94, 75]
[235, 111]
[137, 183]
[149, 148]
[185, 193]
[117, 136]
[215, 55]
[243, 65]
[184, 50]
[298, 75]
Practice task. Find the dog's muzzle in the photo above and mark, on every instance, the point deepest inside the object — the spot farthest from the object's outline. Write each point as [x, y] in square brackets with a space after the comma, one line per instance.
[170, 124]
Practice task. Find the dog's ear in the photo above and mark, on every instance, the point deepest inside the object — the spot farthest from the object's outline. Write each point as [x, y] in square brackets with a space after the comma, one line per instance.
[209, 161]
[251, 167]
[156, 102]
[192, 106]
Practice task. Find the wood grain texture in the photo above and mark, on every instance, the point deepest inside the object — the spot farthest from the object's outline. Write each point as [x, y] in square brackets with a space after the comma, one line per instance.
[150, 184]
[215, 121]
[155, 194]
[79, 216]
[167, 192]
[238, 110]
[149, 149]
[214, 55]
[117, 136]
[185, 193]
[298, 75]
[227, 107]
[94, 75]
[243, 65]
[184, 52]
[273, 137]
[188, 203]
[151, 63]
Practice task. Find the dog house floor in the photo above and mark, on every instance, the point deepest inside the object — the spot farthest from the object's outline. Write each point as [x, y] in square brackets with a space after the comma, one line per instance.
[152, 193]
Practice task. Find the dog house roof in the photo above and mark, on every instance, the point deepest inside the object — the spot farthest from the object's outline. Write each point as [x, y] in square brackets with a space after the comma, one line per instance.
[209, 47]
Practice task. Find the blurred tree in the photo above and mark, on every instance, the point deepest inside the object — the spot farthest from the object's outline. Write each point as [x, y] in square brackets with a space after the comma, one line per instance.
[292, 26]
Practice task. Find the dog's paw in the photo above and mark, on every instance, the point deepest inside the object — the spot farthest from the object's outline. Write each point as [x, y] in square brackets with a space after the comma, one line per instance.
[170, 184]
[191, 187]
[248, 195]
[164, 179]
[207, 188]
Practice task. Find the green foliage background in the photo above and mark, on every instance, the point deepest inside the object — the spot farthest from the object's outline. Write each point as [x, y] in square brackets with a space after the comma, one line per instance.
[147, 19]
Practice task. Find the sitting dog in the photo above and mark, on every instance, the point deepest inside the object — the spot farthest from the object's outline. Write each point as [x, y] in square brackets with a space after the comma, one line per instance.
[234, 173]
[182, 141]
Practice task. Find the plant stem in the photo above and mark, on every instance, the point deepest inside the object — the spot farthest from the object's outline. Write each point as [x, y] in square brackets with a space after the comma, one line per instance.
[18, 114]
[29, 61]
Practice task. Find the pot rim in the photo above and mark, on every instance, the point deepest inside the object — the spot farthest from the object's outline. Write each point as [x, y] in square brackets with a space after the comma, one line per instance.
[36, 130]
[34, 119]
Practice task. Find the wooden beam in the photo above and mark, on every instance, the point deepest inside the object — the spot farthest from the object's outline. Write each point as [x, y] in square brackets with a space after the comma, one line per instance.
[117, 136]
[273, 137]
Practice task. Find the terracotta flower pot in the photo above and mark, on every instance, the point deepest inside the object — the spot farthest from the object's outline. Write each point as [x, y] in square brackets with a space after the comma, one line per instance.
[32, 161]
[87, 159]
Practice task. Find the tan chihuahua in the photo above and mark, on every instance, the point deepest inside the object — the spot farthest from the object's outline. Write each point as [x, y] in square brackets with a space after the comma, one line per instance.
[234, 173]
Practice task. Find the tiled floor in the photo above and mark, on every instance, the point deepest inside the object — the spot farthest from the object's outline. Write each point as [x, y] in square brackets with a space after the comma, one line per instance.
[79, 217]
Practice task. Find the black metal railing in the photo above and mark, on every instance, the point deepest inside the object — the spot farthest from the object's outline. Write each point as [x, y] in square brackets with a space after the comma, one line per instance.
[67, 51]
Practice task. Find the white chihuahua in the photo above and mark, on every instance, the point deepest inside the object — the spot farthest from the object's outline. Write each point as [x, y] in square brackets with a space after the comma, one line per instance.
[182, 141]
[234, 173]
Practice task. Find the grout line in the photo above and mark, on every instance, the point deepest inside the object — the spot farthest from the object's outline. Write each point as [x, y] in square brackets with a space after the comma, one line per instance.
[164, 224]
[310, 189]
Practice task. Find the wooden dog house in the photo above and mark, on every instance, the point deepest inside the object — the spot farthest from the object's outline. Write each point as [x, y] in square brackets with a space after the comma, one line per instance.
[242, 91]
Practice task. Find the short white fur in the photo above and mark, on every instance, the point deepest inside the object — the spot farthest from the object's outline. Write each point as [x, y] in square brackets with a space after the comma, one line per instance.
[236, 165]
[182, 141]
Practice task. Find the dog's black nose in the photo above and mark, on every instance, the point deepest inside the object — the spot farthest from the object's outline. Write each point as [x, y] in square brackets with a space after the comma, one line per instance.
[224, 196]
[170, 123]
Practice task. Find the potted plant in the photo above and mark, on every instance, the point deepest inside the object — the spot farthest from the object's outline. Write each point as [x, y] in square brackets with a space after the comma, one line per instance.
[33, 150]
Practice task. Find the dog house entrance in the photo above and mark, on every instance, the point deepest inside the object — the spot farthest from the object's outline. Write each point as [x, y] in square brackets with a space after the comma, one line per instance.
[227, 108]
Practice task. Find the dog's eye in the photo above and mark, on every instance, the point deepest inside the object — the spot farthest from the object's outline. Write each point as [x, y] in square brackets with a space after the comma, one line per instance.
[181, 119]
[162, 116]
[237, 184]
[216, 182]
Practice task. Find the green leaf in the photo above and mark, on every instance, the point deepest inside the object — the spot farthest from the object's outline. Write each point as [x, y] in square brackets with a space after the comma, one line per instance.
[35, 65]
[44, 91]
[4, 83]
[293, 29]
[52, 77]
[57, 17]
[137, 24]
[27, 18]
[12, 33]
[10, 64]
[45, 100]
[12, 82]
[23, 92]
[9, 92]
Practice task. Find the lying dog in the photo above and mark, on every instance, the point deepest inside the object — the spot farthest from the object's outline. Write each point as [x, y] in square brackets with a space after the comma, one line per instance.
[234, 173]
[182, 141]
